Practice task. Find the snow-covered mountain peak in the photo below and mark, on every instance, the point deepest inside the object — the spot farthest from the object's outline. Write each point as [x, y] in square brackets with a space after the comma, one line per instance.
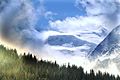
[109, 44]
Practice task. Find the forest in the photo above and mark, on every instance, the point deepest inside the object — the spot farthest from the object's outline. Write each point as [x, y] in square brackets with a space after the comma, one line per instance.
[28, 67]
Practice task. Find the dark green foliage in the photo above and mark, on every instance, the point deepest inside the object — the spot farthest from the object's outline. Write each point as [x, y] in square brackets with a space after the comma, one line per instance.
[27, 67]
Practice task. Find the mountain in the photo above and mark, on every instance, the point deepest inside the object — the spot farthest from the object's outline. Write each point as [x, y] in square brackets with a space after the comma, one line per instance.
[106, 56]
[66, 39]
[68, 44]
[82, 42]
[109, 44]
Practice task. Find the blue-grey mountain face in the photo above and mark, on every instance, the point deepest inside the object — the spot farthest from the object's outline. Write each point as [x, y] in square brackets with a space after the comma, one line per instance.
[70, 43]
[66, 39]
[82, 43]
[109, 44]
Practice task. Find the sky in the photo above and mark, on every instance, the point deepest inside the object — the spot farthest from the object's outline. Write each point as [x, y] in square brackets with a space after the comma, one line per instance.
[56, 10]
[33, 16]
[26, 24]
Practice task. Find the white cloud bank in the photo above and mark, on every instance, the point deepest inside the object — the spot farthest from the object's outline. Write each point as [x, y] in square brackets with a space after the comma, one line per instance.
[99, 7]
[103, 13]
[110, 9]
[77, 24]
[83, 26]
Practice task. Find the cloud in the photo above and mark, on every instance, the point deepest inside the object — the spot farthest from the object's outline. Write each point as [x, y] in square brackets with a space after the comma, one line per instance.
[99, 7]
[49, 15]
[84, 26]
[110, 9]
[41, 8]
[77, 24]
[42, 11]
[18, 20]
[103, 63]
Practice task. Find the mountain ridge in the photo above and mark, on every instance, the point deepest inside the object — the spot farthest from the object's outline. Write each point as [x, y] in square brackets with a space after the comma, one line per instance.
[108, 44]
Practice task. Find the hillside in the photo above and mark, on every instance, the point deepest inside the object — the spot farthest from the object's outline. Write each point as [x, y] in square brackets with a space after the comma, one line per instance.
[27, 67]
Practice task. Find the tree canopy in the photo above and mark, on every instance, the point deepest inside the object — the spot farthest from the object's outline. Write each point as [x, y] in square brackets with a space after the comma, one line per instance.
[28, 67]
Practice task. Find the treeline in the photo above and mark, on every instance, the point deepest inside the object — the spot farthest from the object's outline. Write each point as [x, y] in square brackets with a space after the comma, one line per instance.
[27, 67]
